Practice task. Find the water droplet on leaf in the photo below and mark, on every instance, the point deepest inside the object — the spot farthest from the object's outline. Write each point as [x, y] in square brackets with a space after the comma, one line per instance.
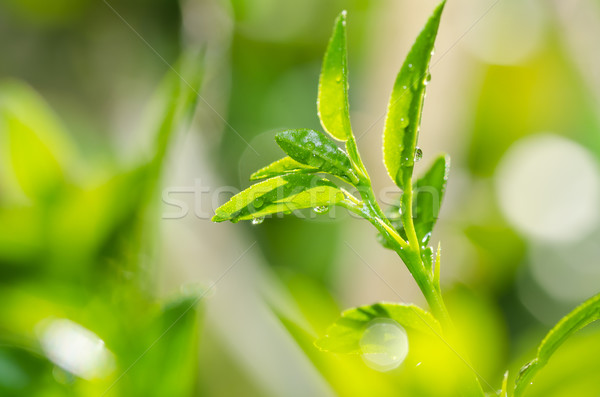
[384, 345]
[525, 367]
[310, 145]
[418, 154]
[258, 221]
[322, 209]
[258, 202]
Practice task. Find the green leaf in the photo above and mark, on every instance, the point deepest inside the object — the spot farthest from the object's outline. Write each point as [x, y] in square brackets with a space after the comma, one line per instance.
[429, 191]
[583, 315]
[169, 341]
[504, 390]
[181, 89]
[406, 102]
[284, 166]
[39, 150]
[314, 149]
[279, 194]
[332, 100]
[345, 334]
[427, 197]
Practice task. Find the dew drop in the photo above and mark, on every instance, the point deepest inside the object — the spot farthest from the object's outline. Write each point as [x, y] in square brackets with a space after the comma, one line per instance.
[525, 367]
[384, 345]
[418, 154]
[410, 65]
[427, 79]
[404, 87]
[322, 209]
[258, 221]
[426, 238]
[403, 122]
[258, 202]
[310, 145]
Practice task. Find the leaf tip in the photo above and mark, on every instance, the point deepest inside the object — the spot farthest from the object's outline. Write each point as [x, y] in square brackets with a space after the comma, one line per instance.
[217, 218]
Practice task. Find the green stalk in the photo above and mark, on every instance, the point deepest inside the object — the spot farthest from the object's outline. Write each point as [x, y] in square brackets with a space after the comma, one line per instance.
[371, 211]
[407, 214]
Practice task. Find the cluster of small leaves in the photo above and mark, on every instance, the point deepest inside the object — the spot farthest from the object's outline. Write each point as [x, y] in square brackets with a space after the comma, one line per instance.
[309, 177]
[293, 182]
[75, 228]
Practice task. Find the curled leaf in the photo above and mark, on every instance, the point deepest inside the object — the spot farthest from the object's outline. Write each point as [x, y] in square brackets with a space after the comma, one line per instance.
[314, 149]
[284, 166]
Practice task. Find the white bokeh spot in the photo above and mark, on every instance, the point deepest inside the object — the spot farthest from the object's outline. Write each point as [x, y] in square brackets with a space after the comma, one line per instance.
[548, 187]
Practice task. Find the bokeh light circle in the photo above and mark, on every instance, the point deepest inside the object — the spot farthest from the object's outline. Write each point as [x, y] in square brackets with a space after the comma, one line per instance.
[384, 345]
[548, 187]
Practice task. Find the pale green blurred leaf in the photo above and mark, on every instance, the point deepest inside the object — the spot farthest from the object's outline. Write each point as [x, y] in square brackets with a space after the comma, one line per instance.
[166, 359]
[345, 334]
[39, 151]
[181, 92]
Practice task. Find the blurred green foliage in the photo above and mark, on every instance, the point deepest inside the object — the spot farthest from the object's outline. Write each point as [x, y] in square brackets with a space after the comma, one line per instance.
[71, 245]
[74, 231]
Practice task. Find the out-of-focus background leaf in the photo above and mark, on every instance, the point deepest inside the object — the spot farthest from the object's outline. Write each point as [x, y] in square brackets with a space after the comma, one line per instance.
[106, 228]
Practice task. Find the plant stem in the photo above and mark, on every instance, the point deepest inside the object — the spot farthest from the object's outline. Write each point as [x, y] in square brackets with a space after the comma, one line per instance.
[407, 214]
[371, 211]
[408, 251]
[355, 158]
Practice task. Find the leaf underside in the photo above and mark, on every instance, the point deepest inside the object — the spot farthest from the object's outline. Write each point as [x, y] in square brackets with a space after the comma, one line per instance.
[281, 194]
[345, 334]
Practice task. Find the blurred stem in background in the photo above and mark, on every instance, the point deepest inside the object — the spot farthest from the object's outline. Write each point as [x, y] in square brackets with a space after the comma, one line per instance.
[79, 315]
